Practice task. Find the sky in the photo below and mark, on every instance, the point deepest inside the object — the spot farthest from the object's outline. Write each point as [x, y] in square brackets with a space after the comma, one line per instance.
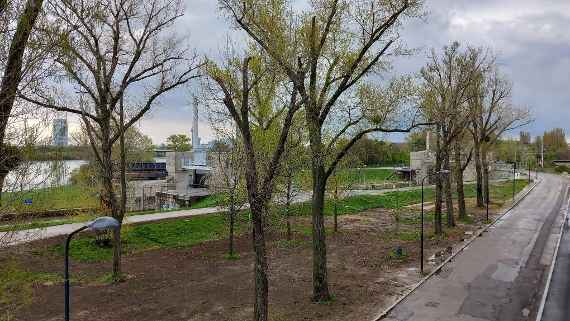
[531, 39]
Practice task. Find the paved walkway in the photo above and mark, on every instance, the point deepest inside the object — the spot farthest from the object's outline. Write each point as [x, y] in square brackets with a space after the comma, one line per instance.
[30, 235]
[498, 276]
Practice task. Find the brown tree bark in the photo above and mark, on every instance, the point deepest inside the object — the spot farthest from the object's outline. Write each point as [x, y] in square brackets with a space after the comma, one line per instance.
[478, 164]
[458, 170]
[438, 221]
[485, 165]
[335, 210]
[232, 213]
[320, 280]
[447, 191]
[12, 73]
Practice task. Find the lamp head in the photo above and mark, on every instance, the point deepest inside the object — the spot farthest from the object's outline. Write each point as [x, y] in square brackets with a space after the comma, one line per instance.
[103, 223]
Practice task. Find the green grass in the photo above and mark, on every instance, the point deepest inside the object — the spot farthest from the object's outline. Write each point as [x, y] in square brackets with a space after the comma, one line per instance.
[168, 234]
[63, 197]
[208, 201]
[195, 230]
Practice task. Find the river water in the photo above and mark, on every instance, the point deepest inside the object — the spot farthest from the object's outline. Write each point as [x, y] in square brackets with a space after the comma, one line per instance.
[34, 175]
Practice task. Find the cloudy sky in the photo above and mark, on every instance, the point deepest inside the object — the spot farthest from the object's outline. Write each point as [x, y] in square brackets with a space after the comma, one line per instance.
[530, 37]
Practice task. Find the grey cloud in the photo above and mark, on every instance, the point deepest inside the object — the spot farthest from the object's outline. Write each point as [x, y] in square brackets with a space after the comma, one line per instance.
[530, 37]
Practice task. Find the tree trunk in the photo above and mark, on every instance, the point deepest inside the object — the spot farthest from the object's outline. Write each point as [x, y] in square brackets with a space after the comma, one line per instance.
[478, 166]
[485, 165]
[447, 190]
[260, 269]
[123, 159]
[320, 279]
[109, 197]
[335, 212]
[288, 207]
[12, 73]
[232, 224]
[458, 170]
[438, 222]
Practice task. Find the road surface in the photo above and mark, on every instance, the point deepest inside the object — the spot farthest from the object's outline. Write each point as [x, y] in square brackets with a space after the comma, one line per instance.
[500, 275]
[557, 306]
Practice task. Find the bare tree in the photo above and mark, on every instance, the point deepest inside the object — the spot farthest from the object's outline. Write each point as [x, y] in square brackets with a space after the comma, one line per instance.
[447, 79]
[112, 51]
[460, 162]
[327, 52]
[492, 114]
[249, 92]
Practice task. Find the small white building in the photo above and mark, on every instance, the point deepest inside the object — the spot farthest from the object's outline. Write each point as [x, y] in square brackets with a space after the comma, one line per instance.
[186, 181]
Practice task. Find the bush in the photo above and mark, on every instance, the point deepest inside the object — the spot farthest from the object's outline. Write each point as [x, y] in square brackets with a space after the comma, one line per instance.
[562, 169]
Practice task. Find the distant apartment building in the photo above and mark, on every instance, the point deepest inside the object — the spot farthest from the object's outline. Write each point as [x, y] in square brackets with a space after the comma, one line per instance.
[60, 132]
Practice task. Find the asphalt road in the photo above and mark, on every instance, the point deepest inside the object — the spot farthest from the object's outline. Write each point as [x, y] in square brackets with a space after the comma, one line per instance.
[557, 307]
[499, 276]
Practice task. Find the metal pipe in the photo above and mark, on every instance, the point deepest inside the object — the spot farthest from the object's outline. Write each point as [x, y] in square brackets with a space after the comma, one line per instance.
[66, 271]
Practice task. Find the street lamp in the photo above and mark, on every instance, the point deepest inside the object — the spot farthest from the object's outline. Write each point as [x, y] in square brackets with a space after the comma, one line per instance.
[514, 179]
[99, 224]
[442, 172]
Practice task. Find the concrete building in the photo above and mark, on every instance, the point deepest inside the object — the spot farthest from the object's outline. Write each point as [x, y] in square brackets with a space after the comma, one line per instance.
[422, 163]
[60, 136]
[186, 180]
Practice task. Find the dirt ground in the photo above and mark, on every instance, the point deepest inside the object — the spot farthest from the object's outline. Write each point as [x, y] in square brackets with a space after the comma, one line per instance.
[199, 284]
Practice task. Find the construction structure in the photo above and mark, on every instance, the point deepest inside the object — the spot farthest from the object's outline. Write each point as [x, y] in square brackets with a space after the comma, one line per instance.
[174, 179]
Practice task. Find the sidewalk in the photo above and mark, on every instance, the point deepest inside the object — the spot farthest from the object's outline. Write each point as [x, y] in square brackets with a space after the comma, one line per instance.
[497, 276]
[24, 236]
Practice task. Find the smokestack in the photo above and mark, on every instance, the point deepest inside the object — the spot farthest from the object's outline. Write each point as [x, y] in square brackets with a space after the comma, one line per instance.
[428, 138]
[195, 137]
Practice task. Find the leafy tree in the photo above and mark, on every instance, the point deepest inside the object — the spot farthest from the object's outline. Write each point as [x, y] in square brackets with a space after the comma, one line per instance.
[102, 51]
[492, 114]
[178, 142]
[447, 81]
[327, 52]
[261, 106]
[228, 181]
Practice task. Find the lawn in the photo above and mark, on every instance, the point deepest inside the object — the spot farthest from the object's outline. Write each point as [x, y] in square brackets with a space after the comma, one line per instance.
[166, 234]
[192, 231]
[64, 197]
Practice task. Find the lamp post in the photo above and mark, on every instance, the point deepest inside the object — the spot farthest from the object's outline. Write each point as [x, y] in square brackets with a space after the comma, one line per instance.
[442, 172]
[99, 224]
[529, 172]
[514, 179]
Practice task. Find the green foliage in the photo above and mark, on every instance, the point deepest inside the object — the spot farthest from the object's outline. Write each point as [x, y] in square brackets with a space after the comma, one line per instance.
[167, 234]
[178, 142]
[562, 169]
[209, 201]
[48, 153]
[64, 197]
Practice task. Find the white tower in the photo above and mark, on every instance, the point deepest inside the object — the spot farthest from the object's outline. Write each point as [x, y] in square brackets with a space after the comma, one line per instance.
[195, 136]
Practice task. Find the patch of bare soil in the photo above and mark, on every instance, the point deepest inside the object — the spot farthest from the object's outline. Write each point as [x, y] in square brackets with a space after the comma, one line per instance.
[199, 284]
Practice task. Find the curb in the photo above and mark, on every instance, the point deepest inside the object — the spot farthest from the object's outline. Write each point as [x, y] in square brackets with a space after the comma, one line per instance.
[553, 262]
[384, 313]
